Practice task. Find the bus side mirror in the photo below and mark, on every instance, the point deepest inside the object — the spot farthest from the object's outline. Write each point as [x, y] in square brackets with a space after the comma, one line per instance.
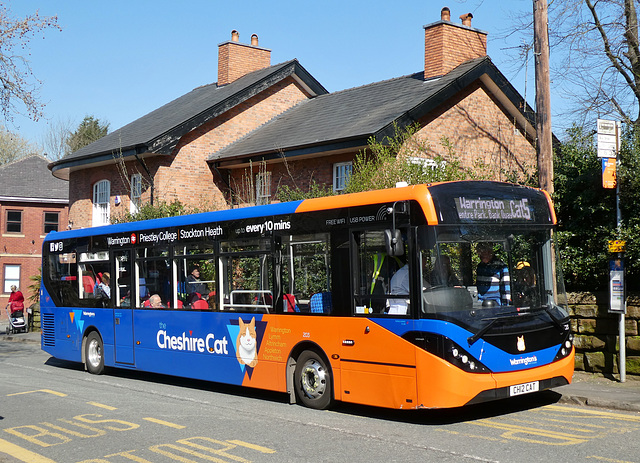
[393, 242]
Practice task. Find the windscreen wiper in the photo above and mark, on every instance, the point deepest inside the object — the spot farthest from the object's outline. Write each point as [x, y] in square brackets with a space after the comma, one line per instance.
[472, 339]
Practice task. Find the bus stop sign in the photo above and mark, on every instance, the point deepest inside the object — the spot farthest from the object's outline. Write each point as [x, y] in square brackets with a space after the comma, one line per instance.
[617, 246]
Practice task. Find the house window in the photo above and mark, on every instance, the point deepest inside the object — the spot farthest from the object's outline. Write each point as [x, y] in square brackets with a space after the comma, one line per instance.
[341, 174]
[263, 188]
[14, 222]
[51, 221]
[11, 277]
[136, 193]
[101, 195]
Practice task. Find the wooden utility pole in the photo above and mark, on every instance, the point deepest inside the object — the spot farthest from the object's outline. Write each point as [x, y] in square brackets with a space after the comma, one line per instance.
[543, 95]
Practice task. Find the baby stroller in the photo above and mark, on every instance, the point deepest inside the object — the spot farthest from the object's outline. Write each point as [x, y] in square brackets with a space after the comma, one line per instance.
[17, 321]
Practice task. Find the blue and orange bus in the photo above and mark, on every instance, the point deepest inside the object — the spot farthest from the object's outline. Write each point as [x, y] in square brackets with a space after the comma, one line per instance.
[423, 296]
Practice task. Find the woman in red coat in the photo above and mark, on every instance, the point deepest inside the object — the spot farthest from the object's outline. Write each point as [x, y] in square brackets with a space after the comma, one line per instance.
[16, 300]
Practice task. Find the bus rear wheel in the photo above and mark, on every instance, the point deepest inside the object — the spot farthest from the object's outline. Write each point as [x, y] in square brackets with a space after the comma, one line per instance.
[93, 354]
[312, 381]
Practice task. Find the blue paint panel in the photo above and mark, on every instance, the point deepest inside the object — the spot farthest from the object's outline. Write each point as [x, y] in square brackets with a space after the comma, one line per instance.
[180, 221]
[495, 359]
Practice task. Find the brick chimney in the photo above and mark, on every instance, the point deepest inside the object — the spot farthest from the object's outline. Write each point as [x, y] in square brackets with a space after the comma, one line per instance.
[237, 59]
[447, 45]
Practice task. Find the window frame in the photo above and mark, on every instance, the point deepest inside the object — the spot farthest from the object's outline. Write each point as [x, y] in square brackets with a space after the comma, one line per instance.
[45, 222]
[340, 175]
[101, 208]
[136, 193]
[13, 222]
[263, 188]
[8, 282]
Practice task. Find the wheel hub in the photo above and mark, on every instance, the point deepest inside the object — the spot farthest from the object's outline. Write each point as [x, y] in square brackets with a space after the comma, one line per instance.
[314, 379]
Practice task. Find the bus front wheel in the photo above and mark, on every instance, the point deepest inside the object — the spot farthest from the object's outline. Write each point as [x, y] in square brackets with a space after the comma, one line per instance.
[93, 354]
[312, 381]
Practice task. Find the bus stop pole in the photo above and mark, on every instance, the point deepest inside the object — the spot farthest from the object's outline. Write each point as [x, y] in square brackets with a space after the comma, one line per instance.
[621, 321]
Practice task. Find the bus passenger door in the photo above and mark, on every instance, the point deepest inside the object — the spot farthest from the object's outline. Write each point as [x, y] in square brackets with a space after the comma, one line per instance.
[377, 366]
[123, 312]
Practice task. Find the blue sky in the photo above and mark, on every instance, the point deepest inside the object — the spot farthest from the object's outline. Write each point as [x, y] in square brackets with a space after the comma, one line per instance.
[119, 60]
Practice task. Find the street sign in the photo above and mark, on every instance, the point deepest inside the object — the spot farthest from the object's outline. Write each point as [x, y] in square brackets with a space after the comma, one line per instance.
[608, 172]
[606, 127]
[608, 138]
[617, 246]
[616, 287]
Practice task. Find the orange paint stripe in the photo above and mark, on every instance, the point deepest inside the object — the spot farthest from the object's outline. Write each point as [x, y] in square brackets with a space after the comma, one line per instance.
[419, 193]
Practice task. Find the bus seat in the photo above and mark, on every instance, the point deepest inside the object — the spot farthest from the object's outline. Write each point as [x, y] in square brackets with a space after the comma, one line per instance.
[88, 283]
[200, 304]
[289, 303]
[320, 303]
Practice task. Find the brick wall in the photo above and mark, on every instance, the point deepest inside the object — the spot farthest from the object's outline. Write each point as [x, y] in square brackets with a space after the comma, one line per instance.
[596, 333]
[237, 59]
[25, 248]
[448, 45]
[479, 130]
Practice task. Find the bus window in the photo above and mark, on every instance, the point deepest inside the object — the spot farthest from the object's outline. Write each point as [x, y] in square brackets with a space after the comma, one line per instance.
[62, 275]
[122, 279]
[247, 276]
[305, 271]
[375, 270]
[154, 274]
[196, 269]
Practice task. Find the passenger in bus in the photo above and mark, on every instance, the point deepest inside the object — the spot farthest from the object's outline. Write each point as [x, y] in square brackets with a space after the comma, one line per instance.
[492, 277]
[196, 288]
[104, 290]
[443, 274]
[524, 285]
[155, 302]
[399, 285]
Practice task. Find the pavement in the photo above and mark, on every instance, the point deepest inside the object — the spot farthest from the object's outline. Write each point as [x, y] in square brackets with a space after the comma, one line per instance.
[586, 389]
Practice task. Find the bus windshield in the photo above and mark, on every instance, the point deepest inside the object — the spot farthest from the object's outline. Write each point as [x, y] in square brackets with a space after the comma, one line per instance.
[473, 274]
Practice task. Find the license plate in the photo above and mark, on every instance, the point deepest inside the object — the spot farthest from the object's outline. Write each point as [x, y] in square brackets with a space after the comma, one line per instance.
[525, 388]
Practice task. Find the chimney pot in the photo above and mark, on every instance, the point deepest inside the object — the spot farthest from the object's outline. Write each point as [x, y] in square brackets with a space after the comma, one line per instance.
[466, 19]
[445, 14]
[254, 40]
[235, 36]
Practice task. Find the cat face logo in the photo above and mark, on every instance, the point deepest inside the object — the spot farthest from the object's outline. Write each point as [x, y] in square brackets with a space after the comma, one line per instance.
[520, 345]
[246, 345]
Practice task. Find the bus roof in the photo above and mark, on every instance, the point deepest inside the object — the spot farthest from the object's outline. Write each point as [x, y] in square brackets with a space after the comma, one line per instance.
[440, 202]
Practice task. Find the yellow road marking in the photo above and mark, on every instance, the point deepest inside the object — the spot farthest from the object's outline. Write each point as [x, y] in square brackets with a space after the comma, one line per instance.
[612, 460]
[107, 407]
[582, 411]
[21, 454]
[259, 448]
[165, 423]
[511, 432]
[48, 391]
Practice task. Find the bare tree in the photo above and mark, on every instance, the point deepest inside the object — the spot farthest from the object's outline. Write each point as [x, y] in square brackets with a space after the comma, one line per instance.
[595, 56]
[55, 140]
[13, 147]
[18, 86]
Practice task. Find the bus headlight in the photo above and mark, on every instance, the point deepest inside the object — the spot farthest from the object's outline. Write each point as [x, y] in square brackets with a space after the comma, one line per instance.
[446, 349]
[566, 348]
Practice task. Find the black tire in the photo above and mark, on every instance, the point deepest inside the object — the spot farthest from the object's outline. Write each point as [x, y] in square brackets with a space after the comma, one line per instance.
[312, 381]
[94, 354]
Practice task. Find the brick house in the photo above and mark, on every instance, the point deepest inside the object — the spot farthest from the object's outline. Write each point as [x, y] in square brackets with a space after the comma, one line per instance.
[32, 203]
[262, 126]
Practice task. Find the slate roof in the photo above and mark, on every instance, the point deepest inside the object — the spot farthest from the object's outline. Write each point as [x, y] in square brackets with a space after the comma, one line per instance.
[29, 179]
[160, 130]
[350, 117]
